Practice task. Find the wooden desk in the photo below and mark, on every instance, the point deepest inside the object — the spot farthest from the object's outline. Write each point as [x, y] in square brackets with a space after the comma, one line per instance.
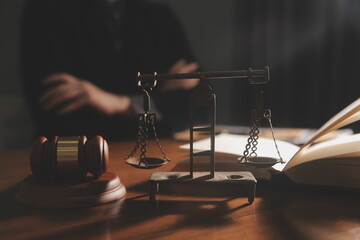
[279, 212]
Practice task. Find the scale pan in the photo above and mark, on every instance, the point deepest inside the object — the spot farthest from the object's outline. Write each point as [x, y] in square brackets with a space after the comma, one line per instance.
[147, 163]
[261, 162]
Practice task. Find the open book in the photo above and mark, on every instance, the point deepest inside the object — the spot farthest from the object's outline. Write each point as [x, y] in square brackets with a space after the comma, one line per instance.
[333, 162]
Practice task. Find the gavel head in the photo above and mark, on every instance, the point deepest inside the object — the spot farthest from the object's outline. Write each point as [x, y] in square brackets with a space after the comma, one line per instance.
[69, 157]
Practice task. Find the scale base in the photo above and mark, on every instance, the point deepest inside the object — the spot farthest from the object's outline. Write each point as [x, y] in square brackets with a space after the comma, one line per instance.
[232, 178]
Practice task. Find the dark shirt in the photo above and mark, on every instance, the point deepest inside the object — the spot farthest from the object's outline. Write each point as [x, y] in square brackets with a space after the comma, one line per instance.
[106, 44]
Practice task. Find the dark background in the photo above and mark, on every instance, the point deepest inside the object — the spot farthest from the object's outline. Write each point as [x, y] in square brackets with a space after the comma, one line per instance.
[311, 46]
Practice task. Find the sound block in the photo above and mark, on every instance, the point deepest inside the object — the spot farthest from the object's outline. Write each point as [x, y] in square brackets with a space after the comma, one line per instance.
[70, 194]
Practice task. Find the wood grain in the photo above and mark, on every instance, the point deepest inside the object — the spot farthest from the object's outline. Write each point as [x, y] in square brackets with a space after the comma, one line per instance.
[280, 210]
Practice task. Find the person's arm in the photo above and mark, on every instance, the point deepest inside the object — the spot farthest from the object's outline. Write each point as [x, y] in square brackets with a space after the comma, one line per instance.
[181, 66]
[70, 93]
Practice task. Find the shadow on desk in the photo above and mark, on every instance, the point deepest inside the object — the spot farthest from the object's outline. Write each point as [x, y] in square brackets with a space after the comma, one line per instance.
[300, 213]
[121, 219]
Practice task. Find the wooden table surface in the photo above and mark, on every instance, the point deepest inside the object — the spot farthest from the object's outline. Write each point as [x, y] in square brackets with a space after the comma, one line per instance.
[280, 211]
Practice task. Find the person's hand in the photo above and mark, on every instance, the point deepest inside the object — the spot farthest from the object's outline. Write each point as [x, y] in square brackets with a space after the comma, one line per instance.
[70, 94]
[181, 66]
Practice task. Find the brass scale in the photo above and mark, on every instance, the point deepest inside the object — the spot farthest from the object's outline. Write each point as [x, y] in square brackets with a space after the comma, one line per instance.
[203, 97]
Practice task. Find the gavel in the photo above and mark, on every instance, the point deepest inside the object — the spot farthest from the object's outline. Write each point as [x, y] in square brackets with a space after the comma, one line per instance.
[69, 157]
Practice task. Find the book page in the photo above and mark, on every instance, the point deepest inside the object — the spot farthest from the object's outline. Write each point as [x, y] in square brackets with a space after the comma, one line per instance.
[235, 144]
[336, 148]
[345, 117]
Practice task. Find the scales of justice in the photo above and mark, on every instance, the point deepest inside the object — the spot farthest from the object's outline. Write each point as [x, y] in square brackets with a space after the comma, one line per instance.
[203, 103]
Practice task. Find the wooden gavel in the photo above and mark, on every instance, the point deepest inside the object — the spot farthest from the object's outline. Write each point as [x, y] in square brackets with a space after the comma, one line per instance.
[69, 157]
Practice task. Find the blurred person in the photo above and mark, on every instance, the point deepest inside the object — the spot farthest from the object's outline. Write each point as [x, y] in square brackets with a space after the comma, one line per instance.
[80, 59]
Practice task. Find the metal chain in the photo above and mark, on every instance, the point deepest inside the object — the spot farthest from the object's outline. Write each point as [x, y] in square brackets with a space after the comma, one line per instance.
[255, 137]
[146, 122]
[251, 142]
[143, 144]
[152, 122]
[267, 115]
[138, 139]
